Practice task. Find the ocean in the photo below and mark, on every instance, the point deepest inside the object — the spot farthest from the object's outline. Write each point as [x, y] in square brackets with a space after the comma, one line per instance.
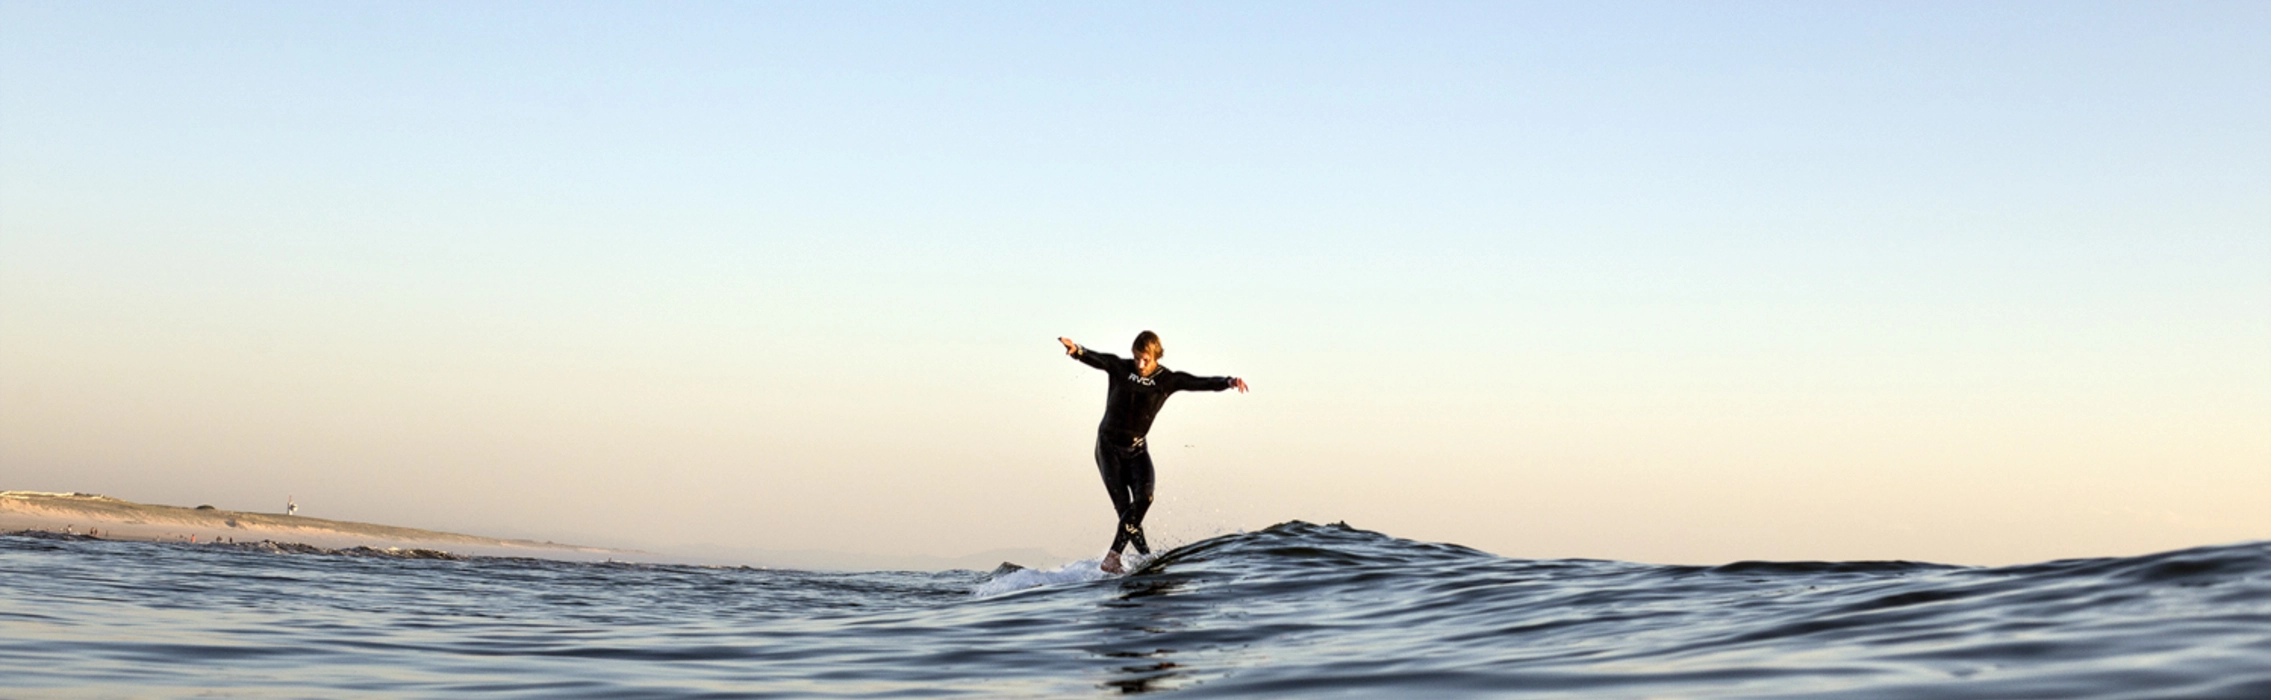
[1294, 610]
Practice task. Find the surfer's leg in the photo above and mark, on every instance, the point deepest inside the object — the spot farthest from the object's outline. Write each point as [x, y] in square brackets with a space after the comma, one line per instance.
[1136, 472]
[1109, 464]
[1115, 484]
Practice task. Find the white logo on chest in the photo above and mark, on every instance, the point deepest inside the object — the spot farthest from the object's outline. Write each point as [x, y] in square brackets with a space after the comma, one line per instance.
[1140, 379]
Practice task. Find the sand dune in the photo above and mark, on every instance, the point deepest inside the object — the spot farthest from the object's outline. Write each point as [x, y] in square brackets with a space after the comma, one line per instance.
[111, 518]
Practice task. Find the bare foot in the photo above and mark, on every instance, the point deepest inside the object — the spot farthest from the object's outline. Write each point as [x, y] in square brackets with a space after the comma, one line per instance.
[1112, 563]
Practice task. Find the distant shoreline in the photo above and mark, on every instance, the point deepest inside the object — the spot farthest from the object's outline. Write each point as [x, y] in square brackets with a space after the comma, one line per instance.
[114, 519]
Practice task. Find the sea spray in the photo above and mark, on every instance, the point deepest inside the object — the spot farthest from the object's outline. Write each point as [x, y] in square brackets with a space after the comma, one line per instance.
[1010, 577]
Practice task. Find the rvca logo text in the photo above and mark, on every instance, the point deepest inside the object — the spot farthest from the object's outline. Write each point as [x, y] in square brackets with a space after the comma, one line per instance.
[1140, 379]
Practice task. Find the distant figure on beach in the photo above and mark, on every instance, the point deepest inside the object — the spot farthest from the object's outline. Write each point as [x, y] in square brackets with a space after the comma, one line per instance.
[1138, 388]
[290, 508]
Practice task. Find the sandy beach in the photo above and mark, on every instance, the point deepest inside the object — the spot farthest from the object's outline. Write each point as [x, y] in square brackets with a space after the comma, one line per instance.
[111, 518]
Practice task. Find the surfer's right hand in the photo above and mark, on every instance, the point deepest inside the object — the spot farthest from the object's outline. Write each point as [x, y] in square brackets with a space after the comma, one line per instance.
[1070, 347]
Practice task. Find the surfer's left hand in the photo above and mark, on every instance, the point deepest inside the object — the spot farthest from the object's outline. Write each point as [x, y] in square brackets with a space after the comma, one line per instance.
[1240, 383]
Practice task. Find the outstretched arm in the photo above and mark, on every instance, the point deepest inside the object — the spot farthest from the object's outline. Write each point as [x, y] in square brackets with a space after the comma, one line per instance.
[1187, 382]
[1099, 360]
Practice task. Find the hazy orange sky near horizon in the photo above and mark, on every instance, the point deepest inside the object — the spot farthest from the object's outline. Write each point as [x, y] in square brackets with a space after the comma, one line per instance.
[1645, 281]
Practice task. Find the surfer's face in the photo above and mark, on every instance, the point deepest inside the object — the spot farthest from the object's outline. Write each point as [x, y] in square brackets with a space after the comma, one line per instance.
[1146, 361]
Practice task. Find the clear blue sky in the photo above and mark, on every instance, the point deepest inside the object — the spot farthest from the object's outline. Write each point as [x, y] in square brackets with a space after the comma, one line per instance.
[1665, 281]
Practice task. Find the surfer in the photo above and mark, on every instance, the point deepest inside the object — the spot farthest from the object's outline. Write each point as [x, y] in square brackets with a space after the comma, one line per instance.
[1138, 388]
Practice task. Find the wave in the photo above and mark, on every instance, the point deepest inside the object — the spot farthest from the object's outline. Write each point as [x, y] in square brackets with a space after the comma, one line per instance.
[1293, 609]
[2174, 624]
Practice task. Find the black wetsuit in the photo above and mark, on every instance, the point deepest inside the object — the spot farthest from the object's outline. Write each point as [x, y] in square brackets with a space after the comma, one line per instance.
[1120, 454]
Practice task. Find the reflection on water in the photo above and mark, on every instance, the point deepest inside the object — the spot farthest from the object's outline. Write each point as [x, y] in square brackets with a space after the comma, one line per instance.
[1131, 624]
[1143, 677]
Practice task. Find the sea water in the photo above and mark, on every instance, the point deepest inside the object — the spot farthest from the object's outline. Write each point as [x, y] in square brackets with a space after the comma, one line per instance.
[1295, 610]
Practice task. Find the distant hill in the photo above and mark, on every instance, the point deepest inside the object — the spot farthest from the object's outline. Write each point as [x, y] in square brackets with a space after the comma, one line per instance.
[111, 518]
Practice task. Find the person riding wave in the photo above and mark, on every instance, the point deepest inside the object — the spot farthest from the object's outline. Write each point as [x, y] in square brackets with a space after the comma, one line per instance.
[1138, 387]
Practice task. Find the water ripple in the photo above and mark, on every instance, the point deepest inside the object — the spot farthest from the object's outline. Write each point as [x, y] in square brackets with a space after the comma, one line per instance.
[1294, 609]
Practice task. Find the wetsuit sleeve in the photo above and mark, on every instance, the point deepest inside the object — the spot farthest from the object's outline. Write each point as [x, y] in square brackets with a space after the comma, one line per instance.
[1187, 382]
[1100, 360]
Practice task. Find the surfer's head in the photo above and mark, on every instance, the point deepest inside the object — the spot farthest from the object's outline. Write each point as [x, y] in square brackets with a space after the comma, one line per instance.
[1147, 351]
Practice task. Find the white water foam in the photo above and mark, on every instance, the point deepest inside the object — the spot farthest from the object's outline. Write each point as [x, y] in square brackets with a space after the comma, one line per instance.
[1081, 571]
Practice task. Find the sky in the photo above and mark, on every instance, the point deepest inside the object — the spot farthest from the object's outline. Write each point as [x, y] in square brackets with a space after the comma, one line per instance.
[1975, 283]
